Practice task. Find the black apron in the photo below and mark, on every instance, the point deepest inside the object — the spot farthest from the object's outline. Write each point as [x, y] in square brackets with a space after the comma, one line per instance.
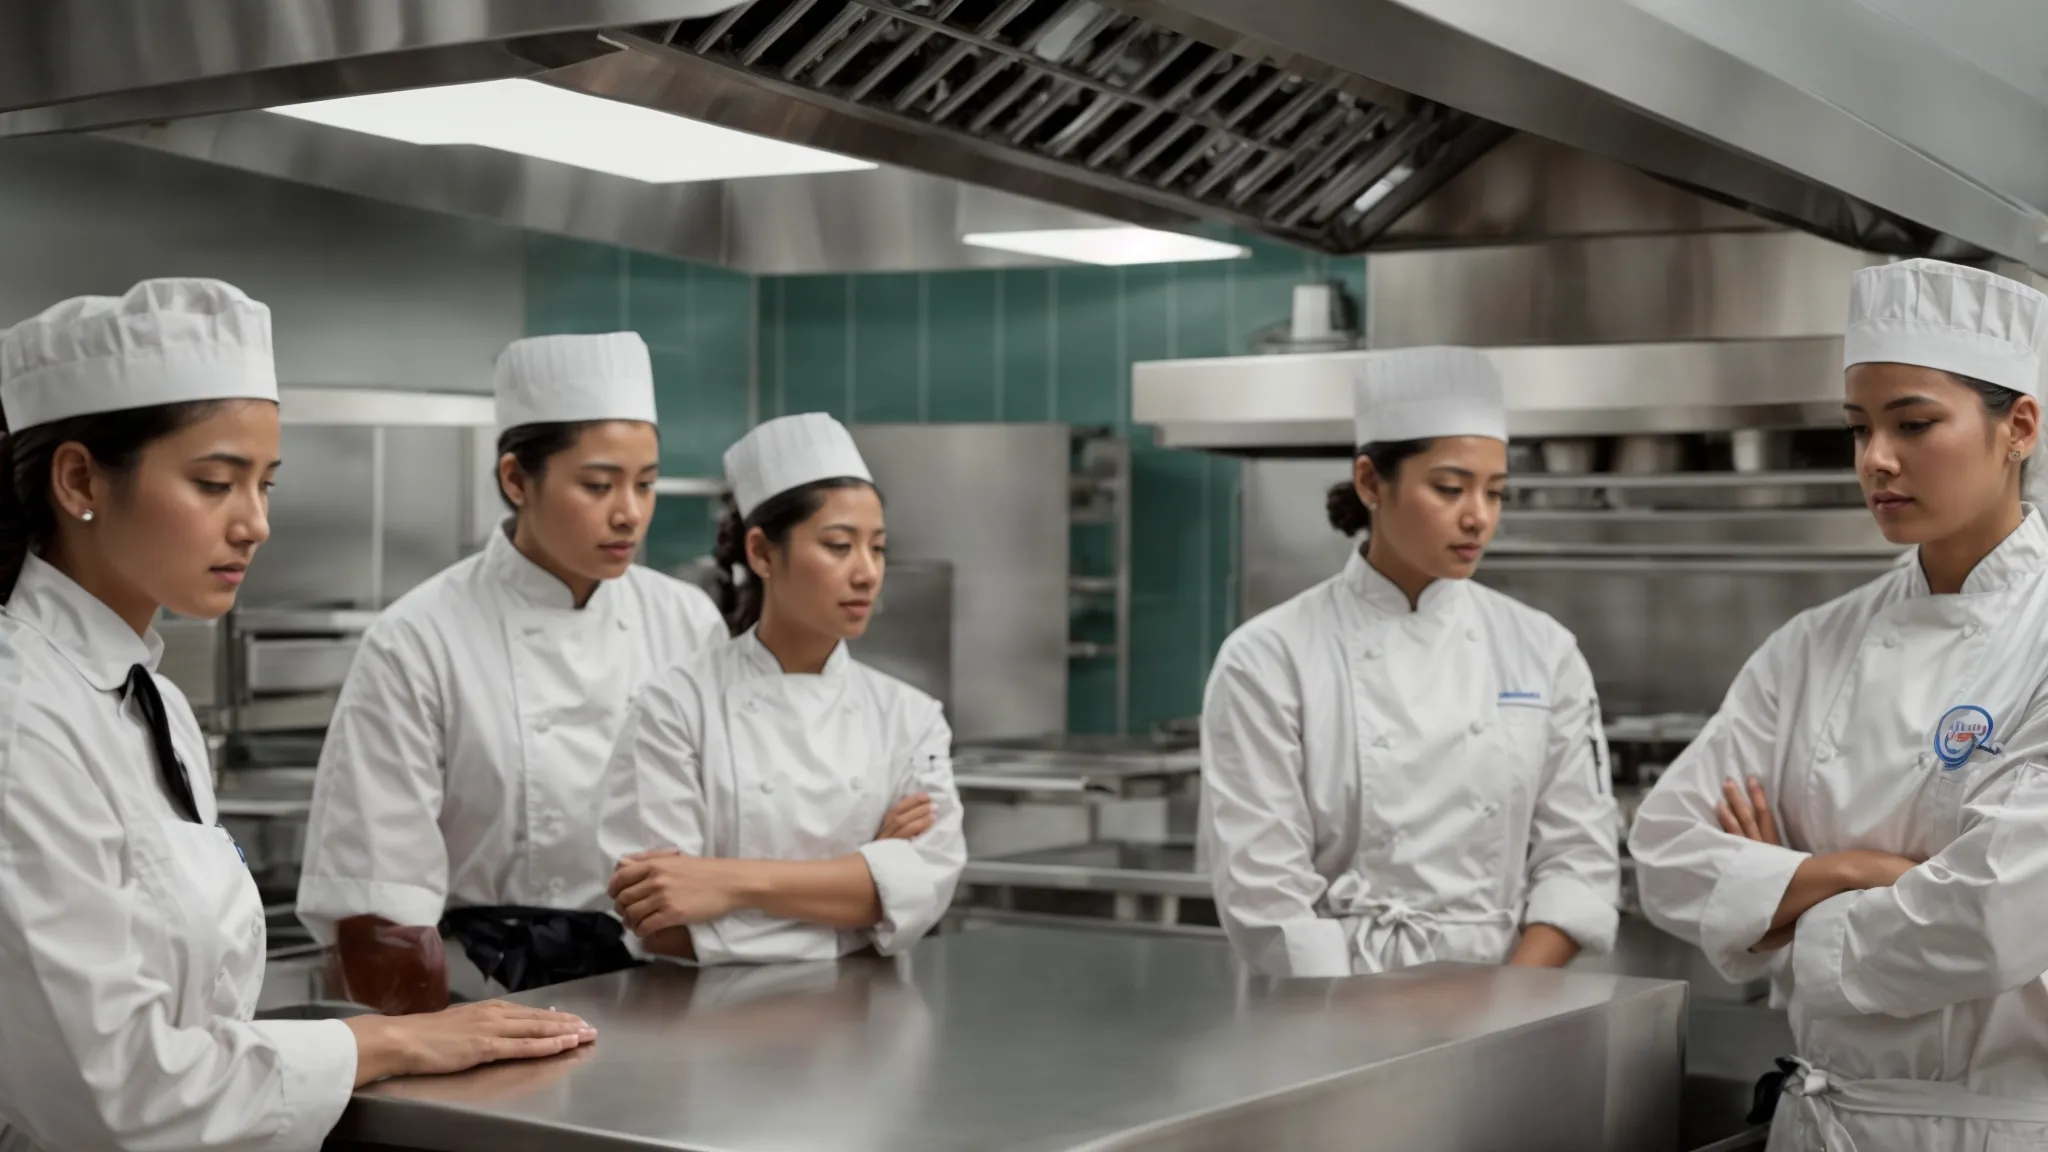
[527, 948]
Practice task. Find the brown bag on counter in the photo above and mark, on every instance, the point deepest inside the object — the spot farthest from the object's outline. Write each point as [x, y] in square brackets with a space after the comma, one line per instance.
[394, 968]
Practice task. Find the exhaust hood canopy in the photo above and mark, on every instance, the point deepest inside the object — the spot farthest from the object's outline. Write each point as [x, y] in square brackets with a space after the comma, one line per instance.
[1319, 123]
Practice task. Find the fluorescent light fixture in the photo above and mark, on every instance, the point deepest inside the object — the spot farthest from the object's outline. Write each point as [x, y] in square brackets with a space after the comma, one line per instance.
[1132, 245]
[550, 123]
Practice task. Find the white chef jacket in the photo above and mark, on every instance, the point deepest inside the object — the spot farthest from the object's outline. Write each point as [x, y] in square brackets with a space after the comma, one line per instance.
[1859, 717]
[463, 764]
[131, 939]
[1383, 787]
[728, 756]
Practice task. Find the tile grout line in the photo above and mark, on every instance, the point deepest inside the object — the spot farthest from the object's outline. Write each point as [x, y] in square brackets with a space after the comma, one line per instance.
[1001, 352]
[781, 350]
[1052, 345]
[1119, 419]
[924, 349]
[852, 347]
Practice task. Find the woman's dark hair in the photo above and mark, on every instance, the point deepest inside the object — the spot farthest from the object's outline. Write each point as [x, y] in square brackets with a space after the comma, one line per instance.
[531, 446]
[1346, 511]
[1998, 399]
[739, 596]
[28, 518]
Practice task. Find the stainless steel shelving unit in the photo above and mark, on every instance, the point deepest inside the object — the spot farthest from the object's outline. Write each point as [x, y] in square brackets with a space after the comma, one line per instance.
[1102, 500]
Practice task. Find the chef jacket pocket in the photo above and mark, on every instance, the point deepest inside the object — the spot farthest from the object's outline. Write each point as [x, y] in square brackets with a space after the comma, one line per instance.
[218, 916]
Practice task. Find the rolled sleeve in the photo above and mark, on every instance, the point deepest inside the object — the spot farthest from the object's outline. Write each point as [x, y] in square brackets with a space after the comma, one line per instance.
[373, 836]
[1574, 868]
[1817, 960]
[1258, 826]
[1742, 904]
[1699, 883]
[1579, 910]
[317, 1063]
[915, 879]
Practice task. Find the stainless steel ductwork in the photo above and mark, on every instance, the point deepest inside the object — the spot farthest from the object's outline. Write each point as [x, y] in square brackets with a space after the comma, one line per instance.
[1321, 124]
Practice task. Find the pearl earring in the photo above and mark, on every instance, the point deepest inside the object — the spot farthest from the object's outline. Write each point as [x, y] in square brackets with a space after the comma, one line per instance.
[86, 515]
[2013, 455]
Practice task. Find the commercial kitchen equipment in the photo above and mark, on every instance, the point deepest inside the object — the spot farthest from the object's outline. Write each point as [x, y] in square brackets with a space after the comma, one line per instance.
[1320, 125]
[1054, 1041]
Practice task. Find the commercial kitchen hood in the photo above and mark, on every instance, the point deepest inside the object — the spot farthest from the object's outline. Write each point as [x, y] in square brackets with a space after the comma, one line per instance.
[1611, 303]
[1318, 123]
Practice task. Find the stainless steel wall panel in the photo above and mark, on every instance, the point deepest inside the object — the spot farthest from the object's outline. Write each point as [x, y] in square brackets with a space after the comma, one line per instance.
[990, 500]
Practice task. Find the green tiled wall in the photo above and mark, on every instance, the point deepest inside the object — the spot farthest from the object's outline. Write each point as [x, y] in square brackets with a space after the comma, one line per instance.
[699, 326]
[1020, 344]
[1057, 344]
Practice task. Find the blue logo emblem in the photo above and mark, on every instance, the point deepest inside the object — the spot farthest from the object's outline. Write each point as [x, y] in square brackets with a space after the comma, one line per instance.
[1963, 729]
[1524, 699]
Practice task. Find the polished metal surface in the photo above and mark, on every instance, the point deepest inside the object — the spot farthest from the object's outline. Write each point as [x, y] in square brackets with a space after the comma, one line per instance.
[991, 501]
[889, 219]
[1042, 1040]
[1319, 125]
[1126, 774]
[910, 635]
[1108, 111]
[1787, 117]
[1153, 869]
[1529, 189]
[274, 667]
[1302, 404]
[72, 65]
[1613, 290]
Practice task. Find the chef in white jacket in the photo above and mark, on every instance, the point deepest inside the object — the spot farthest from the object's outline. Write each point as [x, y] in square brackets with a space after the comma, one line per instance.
[1399, 765]
[458, 785]
[745, 786]
[1899, 738]
[141, 440]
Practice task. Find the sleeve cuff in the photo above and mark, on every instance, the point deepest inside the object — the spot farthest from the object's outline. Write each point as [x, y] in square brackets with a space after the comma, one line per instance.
[1817, 960]
[1316, 949]
[1740, 908]
[323, 900]
[903, 885]
[317, 1075]
[1576, 910]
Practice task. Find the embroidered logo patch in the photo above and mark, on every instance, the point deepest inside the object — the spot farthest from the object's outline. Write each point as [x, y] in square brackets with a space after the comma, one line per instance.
[1524, 699]
[1963, 729]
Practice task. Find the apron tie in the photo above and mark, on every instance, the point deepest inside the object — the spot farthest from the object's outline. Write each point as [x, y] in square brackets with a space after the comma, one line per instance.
[1392, 933]
[1823, 1099]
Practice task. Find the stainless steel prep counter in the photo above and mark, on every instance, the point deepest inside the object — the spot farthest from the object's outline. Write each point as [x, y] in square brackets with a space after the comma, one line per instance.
[1046, 1040]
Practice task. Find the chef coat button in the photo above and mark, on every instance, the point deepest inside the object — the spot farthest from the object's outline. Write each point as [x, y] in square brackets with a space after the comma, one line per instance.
[1891, 641]
[1823, 753]
[767, 786]
[849, 707]
[859, 785]
[1969, 630]
[1372, 653]
[623, 626]
[1382, 742]
[541, 725]
[1478, 726]
[1471, 633]
[555, 886]
[753, 706]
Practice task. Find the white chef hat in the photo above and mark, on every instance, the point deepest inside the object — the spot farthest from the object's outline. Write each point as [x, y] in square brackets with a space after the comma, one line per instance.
[790, 452]
[1962, 320]
[570, 379]
[1423, 393]
[163, 342]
